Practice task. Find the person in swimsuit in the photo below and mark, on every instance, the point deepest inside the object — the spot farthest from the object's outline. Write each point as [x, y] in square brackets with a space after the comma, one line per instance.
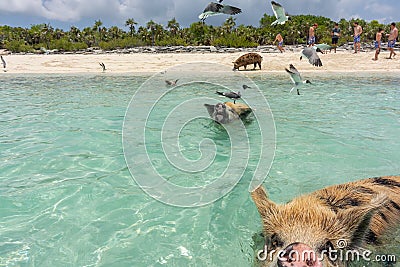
[378, 38]
[392, 36]
[357, 36]
[335, 36]
[279, 38]
[311, 34]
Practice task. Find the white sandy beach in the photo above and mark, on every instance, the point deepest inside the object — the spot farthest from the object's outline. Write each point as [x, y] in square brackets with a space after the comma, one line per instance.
[342, 61]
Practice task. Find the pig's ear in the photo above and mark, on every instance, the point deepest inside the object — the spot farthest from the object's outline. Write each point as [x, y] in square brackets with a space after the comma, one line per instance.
[210, 108]
[356, 221]
[265, 207]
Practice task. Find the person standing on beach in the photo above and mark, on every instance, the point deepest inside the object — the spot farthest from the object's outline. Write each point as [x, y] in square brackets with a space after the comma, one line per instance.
[335, 36]
[392, 36]
[357, 36]
[279, 38]
[311, 34]
[378, 38]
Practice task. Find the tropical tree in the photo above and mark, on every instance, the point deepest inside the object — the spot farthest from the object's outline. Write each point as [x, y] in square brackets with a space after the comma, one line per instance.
[88, 36]
[47, 34]
[115, 33]
[18, 39]
[156, 31]
[97, 30]
[74, 34]
[228, 25]
[371, 29]
[173, 26]
[131, 24]
[200, 33]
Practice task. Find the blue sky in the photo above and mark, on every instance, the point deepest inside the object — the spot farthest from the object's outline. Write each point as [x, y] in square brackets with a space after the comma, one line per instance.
[82, 13]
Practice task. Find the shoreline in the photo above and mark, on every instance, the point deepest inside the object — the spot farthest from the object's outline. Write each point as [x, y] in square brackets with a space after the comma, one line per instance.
[150, 63]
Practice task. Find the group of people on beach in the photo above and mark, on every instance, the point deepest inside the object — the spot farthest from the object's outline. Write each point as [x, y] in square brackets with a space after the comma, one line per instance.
[335, 33]
[392, 37]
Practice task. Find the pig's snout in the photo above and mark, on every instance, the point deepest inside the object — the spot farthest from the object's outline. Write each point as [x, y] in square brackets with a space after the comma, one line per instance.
[298, 255]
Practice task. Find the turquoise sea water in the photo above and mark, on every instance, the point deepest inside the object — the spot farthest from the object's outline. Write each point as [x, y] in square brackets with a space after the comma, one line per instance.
[67, 197]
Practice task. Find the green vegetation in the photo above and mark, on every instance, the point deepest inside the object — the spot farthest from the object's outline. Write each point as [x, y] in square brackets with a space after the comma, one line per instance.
[17, 39]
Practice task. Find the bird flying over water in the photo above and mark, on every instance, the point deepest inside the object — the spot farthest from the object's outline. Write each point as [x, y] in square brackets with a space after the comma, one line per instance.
[171, 82]
[279, 13]
[4, 63]
[312, 56]
[296, 78]
[103, 66]
[213, 9]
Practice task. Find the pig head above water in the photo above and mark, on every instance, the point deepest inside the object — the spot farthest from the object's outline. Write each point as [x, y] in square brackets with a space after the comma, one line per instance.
[337, 218]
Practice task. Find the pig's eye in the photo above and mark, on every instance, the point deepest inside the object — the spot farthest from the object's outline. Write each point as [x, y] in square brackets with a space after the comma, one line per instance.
[326, 247]
[276, 241]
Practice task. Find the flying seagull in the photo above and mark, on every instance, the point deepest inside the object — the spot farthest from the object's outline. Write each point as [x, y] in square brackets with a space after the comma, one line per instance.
[296, 78]
[311, 54]
[171, 82]
[322, 47]
[103, 66]
[279, 13]
[214, 9]
[4, 63]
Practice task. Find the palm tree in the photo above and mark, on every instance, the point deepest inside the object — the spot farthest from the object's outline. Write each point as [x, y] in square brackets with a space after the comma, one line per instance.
[115, 32]
[97, 25]
[103, 33]
[47, 34]
[74, 34]
[58, 33]
[97, 29]
[88, 36]
[155, 30]
[151, 27]
[371, 28]
[34, 34]
[131, 24]
[200, 33]
[228, 25]
[173, 26]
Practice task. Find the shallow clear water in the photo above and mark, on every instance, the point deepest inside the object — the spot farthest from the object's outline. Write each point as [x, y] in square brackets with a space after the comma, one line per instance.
[68, 199]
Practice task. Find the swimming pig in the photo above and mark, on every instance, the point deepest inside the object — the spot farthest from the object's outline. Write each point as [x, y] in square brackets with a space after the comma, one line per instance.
[228, 111]
[336, 219]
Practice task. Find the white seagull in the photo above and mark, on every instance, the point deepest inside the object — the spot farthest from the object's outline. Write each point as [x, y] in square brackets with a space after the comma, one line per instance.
[296, 78]
[214, 9]
[279, 13]
[312, 56]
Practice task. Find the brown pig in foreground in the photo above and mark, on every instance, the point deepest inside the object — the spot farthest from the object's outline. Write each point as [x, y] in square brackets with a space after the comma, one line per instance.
[335, 219]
